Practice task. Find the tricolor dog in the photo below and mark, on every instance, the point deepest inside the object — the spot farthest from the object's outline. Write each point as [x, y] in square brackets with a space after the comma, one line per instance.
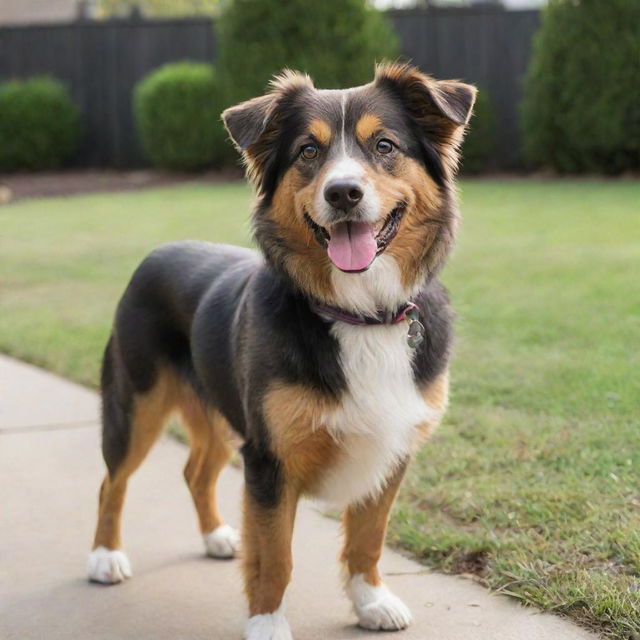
[326, 352]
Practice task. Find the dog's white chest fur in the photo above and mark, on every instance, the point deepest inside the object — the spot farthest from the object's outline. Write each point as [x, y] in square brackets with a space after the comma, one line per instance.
[377, 418]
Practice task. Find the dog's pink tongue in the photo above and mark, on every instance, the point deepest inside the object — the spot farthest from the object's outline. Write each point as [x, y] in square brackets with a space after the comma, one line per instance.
[352, 246]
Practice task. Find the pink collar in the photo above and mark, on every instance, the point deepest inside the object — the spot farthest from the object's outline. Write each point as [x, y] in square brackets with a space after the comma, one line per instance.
[382, 317]
[408, 311]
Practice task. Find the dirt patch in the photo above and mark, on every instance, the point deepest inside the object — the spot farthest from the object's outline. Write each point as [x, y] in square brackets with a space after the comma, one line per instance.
[20, 186]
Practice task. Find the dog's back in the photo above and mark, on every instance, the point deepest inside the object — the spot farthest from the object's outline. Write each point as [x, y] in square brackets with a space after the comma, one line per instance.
[152, 331]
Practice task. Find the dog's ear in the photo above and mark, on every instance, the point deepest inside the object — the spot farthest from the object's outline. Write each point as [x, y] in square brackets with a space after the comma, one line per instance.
[246, 122]
[255, 125]
[440, 109]
[426, 97]
[454, 100]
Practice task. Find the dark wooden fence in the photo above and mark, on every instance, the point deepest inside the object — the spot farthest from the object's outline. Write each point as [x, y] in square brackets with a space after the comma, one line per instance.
[487, 46]
[102, 61]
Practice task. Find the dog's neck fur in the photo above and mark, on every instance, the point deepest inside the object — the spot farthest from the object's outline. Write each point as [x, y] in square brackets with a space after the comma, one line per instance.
[367, 293]
[380, 288]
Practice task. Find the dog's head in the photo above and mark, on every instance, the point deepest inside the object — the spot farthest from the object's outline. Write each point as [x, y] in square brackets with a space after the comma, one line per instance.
[345, 177]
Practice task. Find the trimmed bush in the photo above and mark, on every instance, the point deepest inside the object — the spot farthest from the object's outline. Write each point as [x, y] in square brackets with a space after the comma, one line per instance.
[336, 42]
[479, 143]
[177, 109]
[582, 95]
[38, 124]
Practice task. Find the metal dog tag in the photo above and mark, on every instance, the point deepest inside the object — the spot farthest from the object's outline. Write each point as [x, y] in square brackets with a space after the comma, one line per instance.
[415, 335]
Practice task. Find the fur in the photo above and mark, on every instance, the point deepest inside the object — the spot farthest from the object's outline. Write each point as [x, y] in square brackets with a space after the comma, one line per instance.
[376, 607]
[375, 422]
[222, 542]
[108, 566]
[230, 338]
[268, 626]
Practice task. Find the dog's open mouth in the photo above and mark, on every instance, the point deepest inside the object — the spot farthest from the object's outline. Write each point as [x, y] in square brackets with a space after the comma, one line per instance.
[353, 246]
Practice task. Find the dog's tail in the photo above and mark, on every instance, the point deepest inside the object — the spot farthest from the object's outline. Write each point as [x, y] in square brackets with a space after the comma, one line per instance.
[117, 400]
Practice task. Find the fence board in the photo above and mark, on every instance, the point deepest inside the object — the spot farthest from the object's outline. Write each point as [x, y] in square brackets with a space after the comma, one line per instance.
[487, 46]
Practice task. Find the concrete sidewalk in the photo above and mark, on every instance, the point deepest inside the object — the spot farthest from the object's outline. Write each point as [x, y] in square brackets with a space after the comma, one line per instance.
[50, 470]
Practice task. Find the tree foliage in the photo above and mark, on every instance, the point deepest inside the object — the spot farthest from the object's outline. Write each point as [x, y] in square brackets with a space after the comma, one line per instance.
[336, 42]
[582, 100]
[479, 143]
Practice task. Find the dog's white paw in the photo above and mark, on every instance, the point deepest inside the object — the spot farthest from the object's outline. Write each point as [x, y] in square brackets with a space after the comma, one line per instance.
[108, 566]
[377, 607]
[268, 626]
[222, 542]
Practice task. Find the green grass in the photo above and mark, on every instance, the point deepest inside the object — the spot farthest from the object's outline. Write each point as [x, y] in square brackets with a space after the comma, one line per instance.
[533, 481]
[64, 263]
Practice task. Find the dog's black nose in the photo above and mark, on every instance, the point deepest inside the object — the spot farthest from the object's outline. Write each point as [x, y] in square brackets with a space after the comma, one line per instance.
[343, 194]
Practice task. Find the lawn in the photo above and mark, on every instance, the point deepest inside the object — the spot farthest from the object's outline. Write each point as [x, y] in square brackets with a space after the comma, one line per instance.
[533, 481]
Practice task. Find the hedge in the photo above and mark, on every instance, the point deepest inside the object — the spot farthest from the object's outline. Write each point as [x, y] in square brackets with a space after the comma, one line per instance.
[177, 110]
[39, 124]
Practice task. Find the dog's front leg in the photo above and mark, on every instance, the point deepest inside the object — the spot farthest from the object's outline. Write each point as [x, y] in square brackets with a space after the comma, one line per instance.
[266, 549]
[365, 527]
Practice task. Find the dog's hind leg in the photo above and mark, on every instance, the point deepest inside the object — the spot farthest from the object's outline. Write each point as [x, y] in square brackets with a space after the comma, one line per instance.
[131, 424]
[209, 436]
[365, 527]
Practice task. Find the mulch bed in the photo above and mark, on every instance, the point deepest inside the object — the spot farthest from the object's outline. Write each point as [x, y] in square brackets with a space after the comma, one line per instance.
[20, 186]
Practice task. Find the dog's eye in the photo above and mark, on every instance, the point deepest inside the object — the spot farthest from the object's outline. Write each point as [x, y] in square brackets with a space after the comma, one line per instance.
[384, 146]
[309, 151]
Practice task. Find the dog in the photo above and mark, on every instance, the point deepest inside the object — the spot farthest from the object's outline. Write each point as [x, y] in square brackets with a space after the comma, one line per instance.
[326, 352]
